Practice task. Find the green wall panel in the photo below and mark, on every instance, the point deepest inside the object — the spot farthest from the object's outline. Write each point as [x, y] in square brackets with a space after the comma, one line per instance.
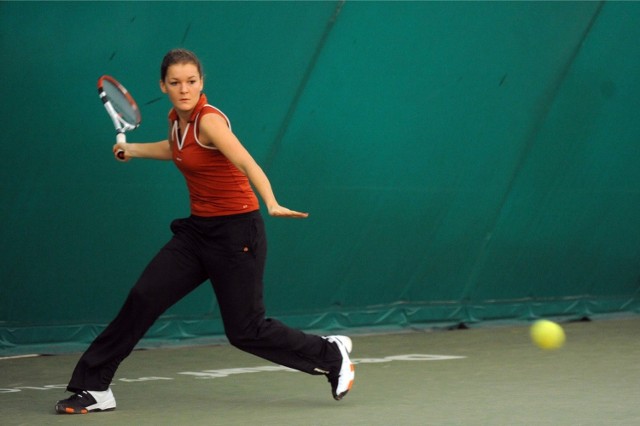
[462, 162]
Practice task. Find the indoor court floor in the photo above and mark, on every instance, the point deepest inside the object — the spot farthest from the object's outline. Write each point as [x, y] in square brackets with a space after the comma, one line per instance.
[478, 376]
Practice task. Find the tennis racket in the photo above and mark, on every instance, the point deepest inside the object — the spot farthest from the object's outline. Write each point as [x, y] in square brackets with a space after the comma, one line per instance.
[120, 106]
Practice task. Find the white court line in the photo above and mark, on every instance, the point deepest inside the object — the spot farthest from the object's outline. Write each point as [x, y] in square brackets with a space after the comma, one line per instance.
[3, 358]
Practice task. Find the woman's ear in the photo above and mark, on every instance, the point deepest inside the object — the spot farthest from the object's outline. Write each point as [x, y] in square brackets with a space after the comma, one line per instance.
[163, 87]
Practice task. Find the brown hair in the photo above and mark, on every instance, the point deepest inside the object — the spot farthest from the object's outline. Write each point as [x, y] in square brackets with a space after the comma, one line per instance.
[179, 56]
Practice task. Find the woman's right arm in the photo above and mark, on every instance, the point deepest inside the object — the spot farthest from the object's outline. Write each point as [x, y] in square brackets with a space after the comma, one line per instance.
[152, 150]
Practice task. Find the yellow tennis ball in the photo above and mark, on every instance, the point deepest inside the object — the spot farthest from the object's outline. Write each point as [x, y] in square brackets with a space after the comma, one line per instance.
[547, 334]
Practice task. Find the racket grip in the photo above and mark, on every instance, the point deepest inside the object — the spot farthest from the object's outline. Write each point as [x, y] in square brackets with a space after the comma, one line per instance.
[120, 138]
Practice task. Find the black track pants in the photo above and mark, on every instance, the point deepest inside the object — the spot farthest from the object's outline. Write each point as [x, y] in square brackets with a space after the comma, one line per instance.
[230, 251]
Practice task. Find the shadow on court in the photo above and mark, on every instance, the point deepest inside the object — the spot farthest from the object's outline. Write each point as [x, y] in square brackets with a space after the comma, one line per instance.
[483, 376]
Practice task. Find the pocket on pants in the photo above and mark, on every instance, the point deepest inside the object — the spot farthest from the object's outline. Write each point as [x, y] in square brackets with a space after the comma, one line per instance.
[251, 240]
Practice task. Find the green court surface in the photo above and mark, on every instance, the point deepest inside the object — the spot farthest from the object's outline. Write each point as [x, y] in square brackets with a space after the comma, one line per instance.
[481, 376]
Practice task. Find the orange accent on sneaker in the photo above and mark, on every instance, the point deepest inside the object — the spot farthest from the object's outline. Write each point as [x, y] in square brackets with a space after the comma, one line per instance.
[353, 369]
[72, 411]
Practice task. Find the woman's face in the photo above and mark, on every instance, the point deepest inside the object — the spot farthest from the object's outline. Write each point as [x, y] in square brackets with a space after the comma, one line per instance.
[183, 84]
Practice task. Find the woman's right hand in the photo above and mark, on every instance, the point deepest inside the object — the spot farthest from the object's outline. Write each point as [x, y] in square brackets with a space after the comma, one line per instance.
[120, 152]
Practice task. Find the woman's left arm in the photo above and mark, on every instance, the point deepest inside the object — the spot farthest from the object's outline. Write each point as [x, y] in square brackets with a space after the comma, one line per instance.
[215, 132]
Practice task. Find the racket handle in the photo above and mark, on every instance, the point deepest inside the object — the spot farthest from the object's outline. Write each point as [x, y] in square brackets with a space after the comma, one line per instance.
[120, 138]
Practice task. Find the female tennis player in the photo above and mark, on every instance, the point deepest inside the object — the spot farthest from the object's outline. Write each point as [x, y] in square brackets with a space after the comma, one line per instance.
[222, 241]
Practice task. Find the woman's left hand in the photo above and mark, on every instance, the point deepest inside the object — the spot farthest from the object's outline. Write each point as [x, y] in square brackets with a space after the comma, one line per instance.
[280, 211]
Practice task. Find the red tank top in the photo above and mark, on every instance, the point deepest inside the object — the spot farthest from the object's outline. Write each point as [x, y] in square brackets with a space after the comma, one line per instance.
[216, 186]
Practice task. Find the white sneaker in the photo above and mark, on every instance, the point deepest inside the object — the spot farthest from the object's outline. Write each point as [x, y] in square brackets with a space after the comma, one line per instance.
[87, 401]
[342, 379]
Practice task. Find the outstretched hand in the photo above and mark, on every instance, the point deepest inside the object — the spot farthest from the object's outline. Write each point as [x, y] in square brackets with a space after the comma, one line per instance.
[280, 211]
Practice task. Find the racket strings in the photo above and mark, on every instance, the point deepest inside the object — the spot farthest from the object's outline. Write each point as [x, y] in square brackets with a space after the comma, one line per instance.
[121, 104]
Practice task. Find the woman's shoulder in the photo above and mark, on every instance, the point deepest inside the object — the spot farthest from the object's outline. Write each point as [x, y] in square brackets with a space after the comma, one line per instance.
[210, 109]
